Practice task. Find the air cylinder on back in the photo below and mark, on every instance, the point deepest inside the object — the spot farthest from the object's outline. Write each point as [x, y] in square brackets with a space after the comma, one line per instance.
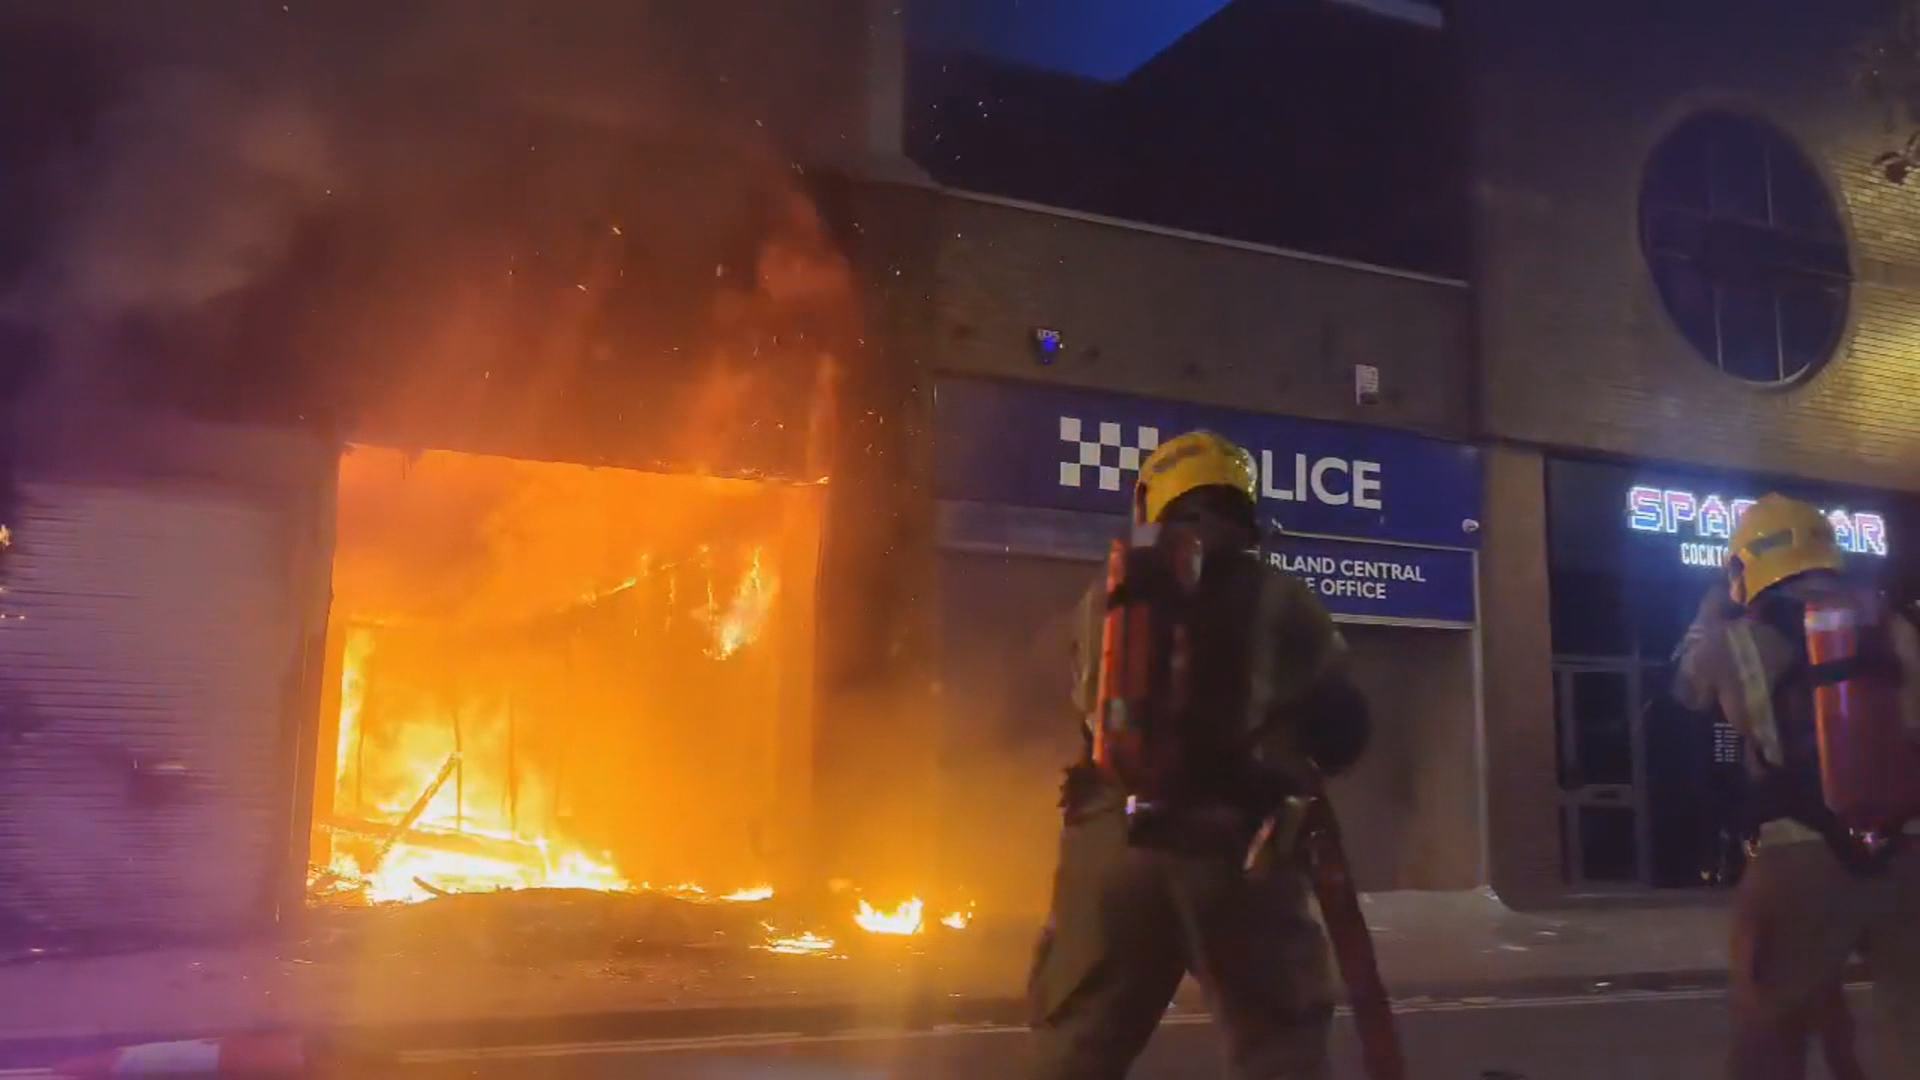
[1869, 760]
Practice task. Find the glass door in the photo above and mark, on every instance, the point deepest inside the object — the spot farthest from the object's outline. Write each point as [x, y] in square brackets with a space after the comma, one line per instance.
[1601, 721]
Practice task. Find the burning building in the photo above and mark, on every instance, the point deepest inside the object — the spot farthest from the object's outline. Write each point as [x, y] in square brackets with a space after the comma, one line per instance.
[538, 549]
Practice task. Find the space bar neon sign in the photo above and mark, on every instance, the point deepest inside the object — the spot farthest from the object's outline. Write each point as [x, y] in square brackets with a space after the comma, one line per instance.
[1709, 518]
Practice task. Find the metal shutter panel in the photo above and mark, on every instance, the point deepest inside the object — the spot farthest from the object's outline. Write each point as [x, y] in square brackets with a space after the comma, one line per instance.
[149, 632]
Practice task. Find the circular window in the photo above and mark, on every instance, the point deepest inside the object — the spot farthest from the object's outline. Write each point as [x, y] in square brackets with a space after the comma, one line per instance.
[1745, 247]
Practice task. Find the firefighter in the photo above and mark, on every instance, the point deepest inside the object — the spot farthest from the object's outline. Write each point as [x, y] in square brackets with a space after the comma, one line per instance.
[1813, 894]
[1137, 906]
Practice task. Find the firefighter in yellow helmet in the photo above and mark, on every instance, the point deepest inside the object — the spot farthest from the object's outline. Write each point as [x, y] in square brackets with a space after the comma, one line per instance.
[1140, 902]
[1814, 893]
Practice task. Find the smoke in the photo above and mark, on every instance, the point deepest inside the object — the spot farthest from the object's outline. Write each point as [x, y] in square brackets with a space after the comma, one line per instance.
[442, 219]
[192, 194]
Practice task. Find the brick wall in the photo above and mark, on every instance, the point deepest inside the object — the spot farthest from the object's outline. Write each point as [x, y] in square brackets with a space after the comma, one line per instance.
[1152, 313]
[1578, 351]
[1517, 702]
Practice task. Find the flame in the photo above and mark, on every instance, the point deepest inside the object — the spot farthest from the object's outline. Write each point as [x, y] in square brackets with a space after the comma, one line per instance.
[745, 616]
[906, 919]
[957, 920]
[353, 696]
[697, 894]
[686, 890]
[413, 869]
[805, 943]
[412, 872]
[575, 870]
[530, 677]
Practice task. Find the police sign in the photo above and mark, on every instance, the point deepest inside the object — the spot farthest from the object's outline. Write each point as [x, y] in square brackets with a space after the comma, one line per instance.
[1067, 449]
[1379, 524]
[1380, 582]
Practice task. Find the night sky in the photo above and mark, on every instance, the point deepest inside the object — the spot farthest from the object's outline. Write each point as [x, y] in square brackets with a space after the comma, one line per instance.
[1097, 39]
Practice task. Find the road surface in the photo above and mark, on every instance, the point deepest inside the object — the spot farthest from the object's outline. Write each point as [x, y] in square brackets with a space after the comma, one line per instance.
[1672, 1035]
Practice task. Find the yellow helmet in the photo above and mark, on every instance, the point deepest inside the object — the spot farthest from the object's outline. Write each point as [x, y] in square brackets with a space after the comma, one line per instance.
[1779, 538]
[1195, 460]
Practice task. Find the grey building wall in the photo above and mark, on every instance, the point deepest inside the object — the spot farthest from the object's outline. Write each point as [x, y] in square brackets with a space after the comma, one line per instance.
[1578, 352]
[1578, 355]
[1162, 314]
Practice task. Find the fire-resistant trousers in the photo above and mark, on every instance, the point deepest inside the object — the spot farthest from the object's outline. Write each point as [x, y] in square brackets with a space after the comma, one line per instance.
[1799, 918]
[1130, 921]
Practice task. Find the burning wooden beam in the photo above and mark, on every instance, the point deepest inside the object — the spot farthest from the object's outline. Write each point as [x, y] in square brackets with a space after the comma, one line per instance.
[412, 816]
[487, 847]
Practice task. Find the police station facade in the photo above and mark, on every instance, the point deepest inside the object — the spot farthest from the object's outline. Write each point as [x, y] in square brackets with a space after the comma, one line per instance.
[1030, 455]
[1599, 370]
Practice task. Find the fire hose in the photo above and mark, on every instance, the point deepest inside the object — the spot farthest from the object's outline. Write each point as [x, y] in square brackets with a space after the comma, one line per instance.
[1307, 826]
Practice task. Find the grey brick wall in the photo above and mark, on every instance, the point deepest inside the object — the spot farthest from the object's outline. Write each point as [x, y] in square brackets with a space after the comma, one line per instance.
[1578, 351]
[1517, 703]
[1152, 313]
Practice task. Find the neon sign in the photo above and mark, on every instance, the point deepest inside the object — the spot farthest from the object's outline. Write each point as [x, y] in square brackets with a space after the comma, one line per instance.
[1704, 519]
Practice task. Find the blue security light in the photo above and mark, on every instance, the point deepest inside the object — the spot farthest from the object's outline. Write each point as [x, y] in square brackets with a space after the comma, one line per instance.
[1047, 344]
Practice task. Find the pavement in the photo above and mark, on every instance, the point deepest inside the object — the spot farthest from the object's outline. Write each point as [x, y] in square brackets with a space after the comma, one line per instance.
[1648, 1035]
[1665, 1035]
[542, 970]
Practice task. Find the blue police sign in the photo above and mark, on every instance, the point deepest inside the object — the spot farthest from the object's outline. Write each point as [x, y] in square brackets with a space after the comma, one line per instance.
[1079, 450]
[1381, 582]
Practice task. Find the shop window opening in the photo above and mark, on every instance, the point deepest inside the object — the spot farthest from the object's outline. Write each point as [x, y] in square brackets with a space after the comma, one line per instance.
[553, 675]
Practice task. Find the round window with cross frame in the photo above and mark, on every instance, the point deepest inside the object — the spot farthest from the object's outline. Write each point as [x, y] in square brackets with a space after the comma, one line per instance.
[1746, 248]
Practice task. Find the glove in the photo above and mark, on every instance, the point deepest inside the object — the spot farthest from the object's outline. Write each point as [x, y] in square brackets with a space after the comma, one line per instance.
[1717, 606]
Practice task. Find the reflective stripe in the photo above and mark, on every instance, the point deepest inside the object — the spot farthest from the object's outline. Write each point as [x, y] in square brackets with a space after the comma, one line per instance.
[1264, 671]
[1788, 831]
[1906, 646]
[1695, 633]
[1827, 620]
[1756, 692]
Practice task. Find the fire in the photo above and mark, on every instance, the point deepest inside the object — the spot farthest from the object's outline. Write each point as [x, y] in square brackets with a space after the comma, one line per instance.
[752, 600]
[556, 676]
[696, 894]
[412, 872]
[906, 919]
[805, 943]
[957, 920]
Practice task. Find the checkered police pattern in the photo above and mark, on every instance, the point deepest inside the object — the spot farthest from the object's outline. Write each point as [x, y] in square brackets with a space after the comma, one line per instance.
[1106, 455]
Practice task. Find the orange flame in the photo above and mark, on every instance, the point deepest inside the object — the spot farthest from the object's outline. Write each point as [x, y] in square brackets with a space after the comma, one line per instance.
[490, 611]
[745, 616]
[805, 943]
[906, 919]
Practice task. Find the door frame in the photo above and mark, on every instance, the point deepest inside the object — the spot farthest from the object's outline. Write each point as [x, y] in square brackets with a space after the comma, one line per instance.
[1632, 795]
